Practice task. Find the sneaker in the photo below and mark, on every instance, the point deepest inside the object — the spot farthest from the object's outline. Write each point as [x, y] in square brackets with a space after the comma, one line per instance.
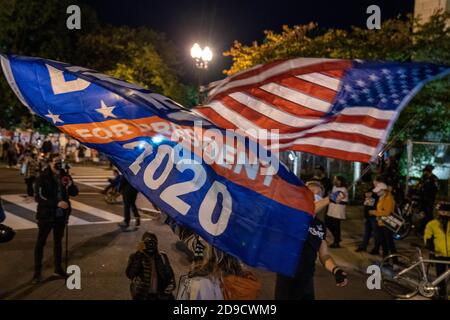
[123, 224]
[60, 273]
[359, 249]
[37, 278]
[138, 222]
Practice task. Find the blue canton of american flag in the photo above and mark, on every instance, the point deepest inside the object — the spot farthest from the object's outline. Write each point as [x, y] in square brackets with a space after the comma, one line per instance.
[336, 108]
[385, 85]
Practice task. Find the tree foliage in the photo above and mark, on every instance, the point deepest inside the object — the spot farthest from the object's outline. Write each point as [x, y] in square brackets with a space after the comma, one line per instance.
[35, 28]
[140, 56]
[398, 40]
[38, 28]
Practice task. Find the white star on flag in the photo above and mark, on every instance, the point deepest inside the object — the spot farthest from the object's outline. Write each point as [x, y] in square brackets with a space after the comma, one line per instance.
[360, 83]
[106, 111]
[55, 117]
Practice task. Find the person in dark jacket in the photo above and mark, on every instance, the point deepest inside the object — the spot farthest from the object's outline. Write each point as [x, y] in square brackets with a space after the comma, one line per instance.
[47, 147]
[429, 185]
[370, 222]
[300, 286]
[129, 195]
[53, 188]
[149, 270]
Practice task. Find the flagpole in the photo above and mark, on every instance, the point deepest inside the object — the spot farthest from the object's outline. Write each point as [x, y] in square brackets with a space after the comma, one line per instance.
[67, 244]
[385, 148]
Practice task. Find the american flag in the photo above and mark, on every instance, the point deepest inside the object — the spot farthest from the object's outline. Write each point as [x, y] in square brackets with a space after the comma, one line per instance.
[343, 109]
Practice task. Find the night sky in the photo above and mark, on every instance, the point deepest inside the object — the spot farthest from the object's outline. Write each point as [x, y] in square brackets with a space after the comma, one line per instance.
[219, 23]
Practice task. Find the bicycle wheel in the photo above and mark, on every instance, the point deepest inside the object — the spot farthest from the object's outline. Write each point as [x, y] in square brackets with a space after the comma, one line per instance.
[403, 232]
[402, 286]
[110, 197]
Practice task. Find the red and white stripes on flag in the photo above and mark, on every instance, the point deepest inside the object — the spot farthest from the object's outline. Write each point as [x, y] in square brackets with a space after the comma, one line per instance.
[309, 101]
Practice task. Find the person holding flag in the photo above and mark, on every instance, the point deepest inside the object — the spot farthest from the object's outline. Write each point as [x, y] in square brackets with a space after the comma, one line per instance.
[301, 285]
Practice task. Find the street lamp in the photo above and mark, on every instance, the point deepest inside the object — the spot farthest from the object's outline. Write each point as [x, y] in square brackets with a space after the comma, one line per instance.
[201, 56]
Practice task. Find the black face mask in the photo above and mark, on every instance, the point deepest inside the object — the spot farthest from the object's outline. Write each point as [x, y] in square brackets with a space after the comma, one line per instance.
[58, 165]
[150, 246]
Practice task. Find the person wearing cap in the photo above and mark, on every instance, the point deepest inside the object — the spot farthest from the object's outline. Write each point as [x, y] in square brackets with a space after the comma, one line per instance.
[385, 207]
[437, 239]
[319, 175]
[150, 272]
[428, 188]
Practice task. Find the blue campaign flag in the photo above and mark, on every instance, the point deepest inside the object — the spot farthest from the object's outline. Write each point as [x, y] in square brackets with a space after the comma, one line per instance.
[258, 212]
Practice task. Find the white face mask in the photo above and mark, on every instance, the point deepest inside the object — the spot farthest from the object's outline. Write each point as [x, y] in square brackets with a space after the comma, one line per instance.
[381, 193]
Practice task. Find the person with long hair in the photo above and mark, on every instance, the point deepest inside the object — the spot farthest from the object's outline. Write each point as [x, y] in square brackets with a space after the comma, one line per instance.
[336, 209]
[150, 272]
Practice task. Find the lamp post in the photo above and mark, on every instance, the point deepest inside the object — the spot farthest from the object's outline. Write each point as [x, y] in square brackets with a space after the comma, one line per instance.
[201, 56]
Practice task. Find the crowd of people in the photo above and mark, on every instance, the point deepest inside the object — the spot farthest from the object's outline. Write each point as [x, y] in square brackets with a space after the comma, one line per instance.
[382, 198]
[215, 274]
[13, 150]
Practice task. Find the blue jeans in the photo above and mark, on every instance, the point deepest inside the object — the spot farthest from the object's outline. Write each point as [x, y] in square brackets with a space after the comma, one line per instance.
[385, 238]
[370, 225]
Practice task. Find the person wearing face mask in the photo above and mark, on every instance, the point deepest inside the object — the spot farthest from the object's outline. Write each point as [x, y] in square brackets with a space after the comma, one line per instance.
[150, 272]
[384, 207]
[53, 188]
[437, 239]
[428, 189]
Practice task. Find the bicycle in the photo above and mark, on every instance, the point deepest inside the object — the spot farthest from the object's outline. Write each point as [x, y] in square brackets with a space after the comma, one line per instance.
[408, 217]
[112, 196]
[403, 278]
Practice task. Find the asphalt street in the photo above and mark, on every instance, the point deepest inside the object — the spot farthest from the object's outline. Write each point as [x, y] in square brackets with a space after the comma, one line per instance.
[101, 249]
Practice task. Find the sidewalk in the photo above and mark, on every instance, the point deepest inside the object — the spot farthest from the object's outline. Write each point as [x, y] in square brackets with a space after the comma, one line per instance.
[352, 232]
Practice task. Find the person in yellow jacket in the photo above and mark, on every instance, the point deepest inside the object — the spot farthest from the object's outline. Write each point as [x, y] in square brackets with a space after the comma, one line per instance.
[437, 239]
[385, 207]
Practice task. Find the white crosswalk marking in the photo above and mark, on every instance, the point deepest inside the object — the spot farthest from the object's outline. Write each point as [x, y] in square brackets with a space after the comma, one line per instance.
[17, 222]
[95, 181]
[20, 213]
[95, 211]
